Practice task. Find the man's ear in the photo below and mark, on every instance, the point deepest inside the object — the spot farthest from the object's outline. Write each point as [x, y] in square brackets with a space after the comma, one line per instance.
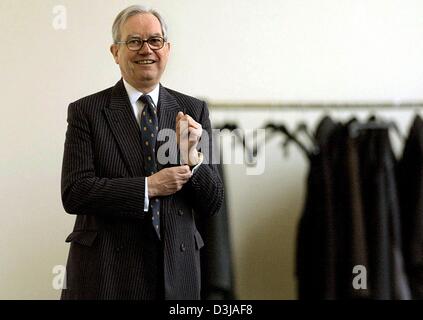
[114, 49]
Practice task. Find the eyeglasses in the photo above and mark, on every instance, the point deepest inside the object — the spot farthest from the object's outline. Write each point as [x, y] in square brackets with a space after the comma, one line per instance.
[135, 44]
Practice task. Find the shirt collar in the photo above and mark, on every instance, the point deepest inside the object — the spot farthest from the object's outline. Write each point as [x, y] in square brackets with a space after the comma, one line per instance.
[135, 94]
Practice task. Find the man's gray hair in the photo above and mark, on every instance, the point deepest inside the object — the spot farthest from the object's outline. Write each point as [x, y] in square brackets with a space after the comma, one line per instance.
[125, 14]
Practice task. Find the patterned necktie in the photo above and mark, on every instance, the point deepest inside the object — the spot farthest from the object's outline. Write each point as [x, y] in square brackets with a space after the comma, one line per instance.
[149, 129]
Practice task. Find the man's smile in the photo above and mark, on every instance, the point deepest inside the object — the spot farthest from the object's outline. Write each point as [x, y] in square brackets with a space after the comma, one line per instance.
[144, 61]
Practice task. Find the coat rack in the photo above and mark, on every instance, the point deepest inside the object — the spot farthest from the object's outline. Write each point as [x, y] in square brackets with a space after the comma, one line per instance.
[278, 128]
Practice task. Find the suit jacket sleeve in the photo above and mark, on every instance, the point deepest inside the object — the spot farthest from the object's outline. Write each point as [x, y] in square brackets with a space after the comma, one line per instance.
[206, 184]
[85, 193]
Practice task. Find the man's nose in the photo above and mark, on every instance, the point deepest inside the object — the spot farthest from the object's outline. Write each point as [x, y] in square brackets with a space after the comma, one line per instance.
[145, 49]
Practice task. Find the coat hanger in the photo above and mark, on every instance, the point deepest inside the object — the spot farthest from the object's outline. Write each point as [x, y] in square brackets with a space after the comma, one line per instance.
[281, 128]
[302, 128]
[374, 123]
[250, 154]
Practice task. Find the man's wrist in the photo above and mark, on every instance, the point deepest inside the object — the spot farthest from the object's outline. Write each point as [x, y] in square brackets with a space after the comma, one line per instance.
[192, 159]
[195, 158]
[200, 161]
[150, 188]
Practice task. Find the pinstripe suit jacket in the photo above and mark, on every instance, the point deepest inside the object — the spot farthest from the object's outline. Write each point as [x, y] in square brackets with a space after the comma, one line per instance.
[114, 253]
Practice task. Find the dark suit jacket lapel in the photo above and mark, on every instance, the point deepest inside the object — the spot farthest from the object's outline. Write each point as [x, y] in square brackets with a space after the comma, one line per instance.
[126, 131]
[168, 108]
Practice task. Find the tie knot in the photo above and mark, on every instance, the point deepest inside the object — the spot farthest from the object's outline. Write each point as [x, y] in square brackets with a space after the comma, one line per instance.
[146, 99]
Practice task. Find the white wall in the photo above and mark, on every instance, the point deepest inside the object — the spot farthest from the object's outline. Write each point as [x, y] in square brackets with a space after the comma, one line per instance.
[225, 51]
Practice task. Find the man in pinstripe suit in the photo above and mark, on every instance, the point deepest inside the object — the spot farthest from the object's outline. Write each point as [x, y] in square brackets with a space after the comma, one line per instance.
[115, 251]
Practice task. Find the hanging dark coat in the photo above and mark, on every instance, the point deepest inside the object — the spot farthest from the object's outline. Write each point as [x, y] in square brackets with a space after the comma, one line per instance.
[217, 281]
[316, 235]
[386, 276]
[410, 177]
[351, 218]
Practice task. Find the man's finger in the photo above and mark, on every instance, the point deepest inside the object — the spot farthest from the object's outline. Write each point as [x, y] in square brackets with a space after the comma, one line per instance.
[183, 169]
[188, 118]
[184, 132]
[195, 131]
[179, 116]
[192, 122]
[185, 177]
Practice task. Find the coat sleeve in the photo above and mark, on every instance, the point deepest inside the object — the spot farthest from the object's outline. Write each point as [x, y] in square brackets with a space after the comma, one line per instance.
[206, 184]
[85, 193]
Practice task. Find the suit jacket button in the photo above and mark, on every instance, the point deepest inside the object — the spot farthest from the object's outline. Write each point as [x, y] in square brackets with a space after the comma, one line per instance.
[180, 212]
[183, 247]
